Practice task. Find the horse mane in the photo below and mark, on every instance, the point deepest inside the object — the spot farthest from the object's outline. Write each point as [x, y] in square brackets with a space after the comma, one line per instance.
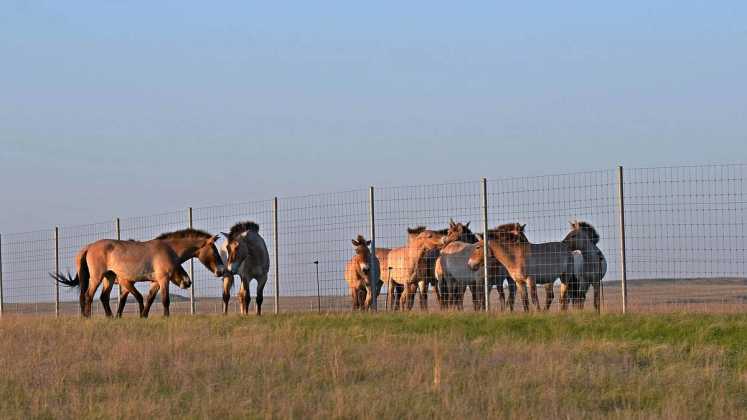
[594, 236]
[442, 231]
[506, 233]
[416, 230]
[242, 227]
[185, 233]
[584, 227]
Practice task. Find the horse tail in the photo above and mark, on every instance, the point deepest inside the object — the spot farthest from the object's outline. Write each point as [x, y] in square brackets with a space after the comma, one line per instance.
[81, 277]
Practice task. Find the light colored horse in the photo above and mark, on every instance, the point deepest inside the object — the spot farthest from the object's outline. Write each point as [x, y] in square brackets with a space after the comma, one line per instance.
[186, 244]
[405, 265]
[128, 262]
[528, 264]
[583, 240]
[357, 275]
[455, 275]
[246, 255]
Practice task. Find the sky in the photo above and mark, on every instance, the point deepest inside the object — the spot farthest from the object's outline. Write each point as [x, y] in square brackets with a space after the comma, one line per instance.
[131, 108]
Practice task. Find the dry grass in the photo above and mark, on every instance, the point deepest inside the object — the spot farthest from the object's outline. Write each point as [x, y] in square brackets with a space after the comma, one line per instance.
[376, 366]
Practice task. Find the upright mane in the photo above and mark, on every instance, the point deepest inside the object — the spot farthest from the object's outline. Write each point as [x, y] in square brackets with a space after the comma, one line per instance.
[184, 234]
[242, 227]
[585, 227]
[416, 230]
[506, 233]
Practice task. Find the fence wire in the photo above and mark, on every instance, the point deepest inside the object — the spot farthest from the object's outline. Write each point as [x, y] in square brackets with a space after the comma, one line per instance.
[684, 232]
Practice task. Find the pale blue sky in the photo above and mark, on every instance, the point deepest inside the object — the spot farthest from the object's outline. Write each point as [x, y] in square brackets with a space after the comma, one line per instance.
[124, 108]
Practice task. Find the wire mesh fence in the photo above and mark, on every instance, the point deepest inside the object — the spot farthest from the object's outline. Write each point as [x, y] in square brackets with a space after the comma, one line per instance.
[683, 229]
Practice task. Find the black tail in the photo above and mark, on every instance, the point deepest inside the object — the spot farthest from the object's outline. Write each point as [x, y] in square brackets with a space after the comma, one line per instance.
[68, 281]
[81, 277]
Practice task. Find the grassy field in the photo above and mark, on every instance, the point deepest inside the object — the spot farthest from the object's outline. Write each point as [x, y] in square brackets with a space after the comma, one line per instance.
[376, 366]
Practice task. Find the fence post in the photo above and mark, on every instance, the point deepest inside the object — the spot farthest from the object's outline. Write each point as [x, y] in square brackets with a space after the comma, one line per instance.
[57, 271]
[118, 232]
[191, 269]
[275, 251]
[623, 266]
[485, 242]
[374, 274]
[2, 301]
[318, 289]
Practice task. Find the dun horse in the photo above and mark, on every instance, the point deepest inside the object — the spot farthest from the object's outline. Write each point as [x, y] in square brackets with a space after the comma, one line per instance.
[583, 240]
[186, 244]
[528, 264]
[454, 275]
[128, 262]
[246, 255]
[358, 275]
[405, 267]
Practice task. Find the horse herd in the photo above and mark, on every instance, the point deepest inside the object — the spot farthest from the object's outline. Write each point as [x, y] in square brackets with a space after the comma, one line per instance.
[450, 260]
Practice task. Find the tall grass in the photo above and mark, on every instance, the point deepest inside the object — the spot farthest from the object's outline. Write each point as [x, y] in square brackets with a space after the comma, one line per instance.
[376, 366]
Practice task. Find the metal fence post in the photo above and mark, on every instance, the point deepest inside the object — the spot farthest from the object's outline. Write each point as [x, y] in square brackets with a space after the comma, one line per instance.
[275, 250]
[623, 266]
[2, 301]
[191, 269]
[318, 289]
[57, 271]
[374, 276]
[118, 232]
[485, 242]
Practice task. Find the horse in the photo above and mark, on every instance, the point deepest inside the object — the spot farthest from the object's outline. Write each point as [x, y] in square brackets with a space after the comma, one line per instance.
[246, 255]
[187, 244]
[583, 240]
[454, 275]
[406, 269]
[528, 264]
[128, 262]
[358, 275]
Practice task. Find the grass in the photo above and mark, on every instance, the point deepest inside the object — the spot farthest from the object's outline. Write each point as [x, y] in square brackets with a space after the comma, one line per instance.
[376, 366]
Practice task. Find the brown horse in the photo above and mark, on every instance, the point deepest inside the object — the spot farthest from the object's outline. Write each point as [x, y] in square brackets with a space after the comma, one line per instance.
[406, 264]
[127, 262]
[528, 264]
[357, 275]
[186, 244]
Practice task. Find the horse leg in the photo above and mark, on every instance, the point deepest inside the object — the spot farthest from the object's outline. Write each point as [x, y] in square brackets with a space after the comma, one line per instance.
[106, 292]
[423, 295]
[130, 287]
[87, 298]
[227, 285]
[524, 295]
[564, 296]
[368, 298]
[261, 281]
[501, 295]
[511, 293]
[165, 298]
[122, 301]
[404, 297]
[152, 292]
[532, 286]
[597, 296]
[244, 297]
[461, 289]
[549, 296]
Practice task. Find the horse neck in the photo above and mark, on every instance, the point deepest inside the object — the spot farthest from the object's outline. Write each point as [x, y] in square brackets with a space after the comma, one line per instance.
[507, 254]
[256, 246]
[185, 248]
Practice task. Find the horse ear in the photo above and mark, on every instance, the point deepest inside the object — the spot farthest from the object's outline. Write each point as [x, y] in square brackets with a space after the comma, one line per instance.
[355, 243]
[225, 234]
[451, 222]
[479, 237]
[467, 225]
[368, 243]
[521, 228]
[214, 238]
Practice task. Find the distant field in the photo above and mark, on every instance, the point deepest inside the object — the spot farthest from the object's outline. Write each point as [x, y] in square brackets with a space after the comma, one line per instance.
[376, 366]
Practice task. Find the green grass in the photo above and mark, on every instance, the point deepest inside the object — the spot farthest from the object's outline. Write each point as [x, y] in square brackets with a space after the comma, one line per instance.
[382, 365]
